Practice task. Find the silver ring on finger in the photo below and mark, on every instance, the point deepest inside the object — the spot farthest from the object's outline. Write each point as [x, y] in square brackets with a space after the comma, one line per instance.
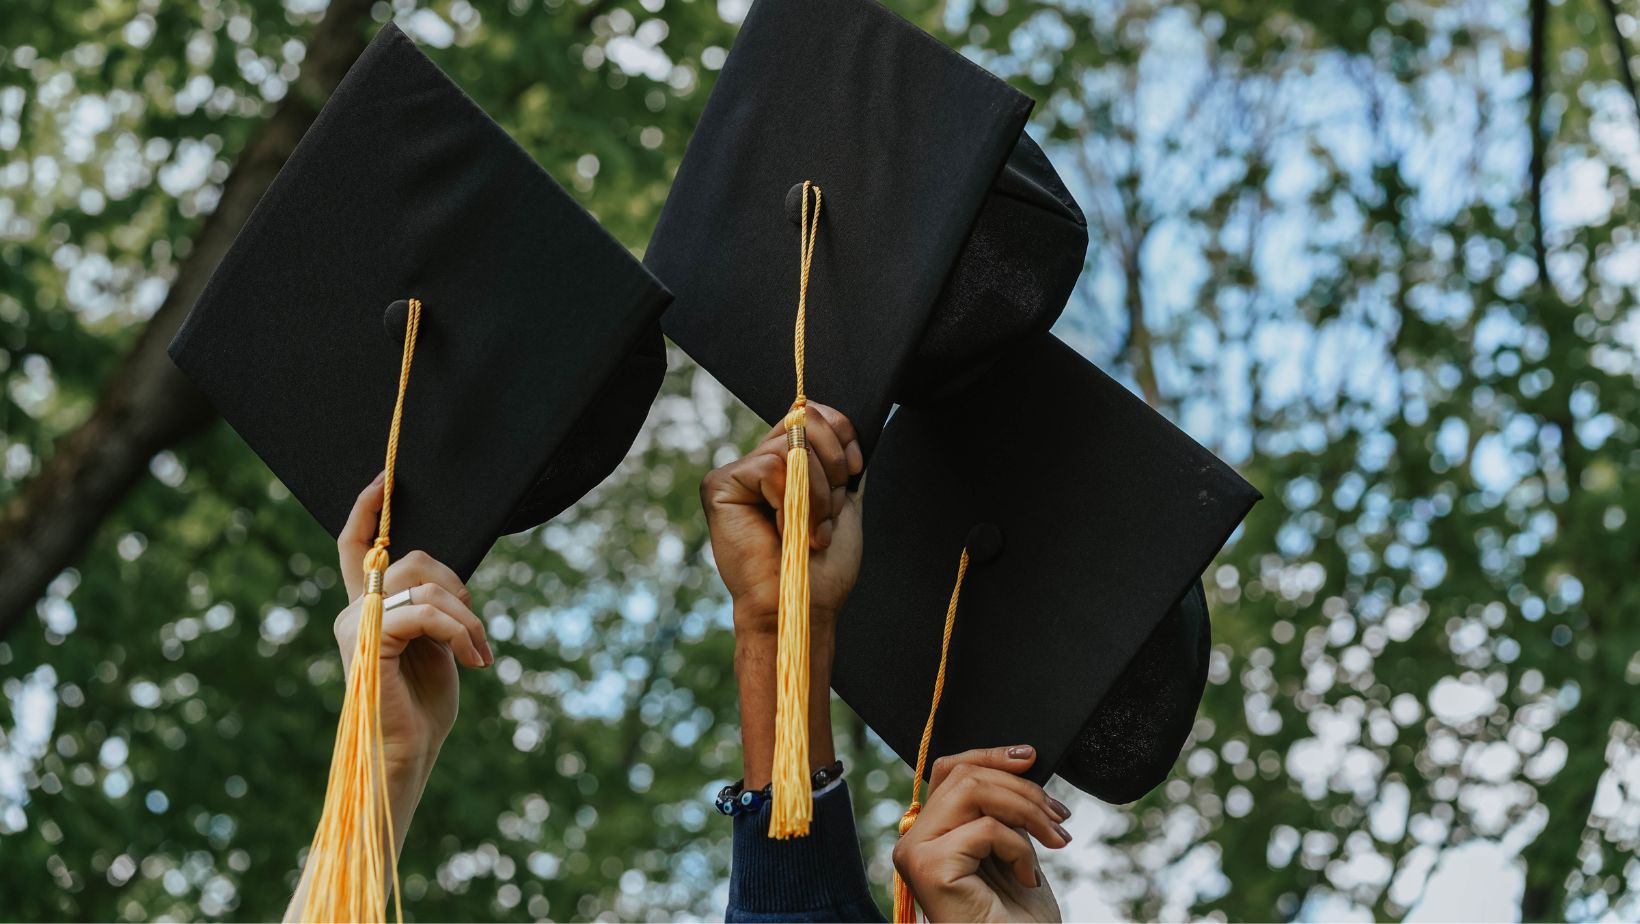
[402, 598]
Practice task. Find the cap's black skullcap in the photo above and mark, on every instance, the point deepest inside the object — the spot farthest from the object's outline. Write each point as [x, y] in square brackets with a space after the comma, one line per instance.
[1081, 630]
[944, 237]
[539, 351]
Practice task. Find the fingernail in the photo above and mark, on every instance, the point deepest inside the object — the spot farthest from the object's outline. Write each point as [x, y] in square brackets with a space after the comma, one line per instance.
[822, 535]
[1059, 807]
[856, 459]
[1038, 878]
[1059, 829]
[1020, 751]
[489, 658]
[839, 496]
[380, 476]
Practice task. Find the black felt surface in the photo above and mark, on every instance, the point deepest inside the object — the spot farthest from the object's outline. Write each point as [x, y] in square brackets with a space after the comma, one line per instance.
[539, 351]
[939, 217]
[1130, 743]
[1103, 513]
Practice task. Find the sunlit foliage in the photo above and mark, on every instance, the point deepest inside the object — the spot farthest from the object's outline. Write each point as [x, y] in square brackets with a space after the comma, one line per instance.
[1312, 247]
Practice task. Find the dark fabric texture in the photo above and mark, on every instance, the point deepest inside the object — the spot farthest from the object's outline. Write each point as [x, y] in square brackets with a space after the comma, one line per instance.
[601, 436]
[1130, 744]
[816, 878]
[939, 217]
[1101, 513]
[1010, 282]
[539, 352]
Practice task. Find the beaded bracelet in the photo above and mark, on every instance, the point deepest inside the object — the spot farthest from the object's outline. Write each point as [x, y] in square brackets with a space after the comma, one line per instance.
[736, 799]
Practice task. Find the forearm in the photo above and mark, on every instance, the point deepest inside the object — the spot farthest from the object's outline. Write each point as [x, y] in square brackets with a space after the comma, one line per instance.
[405, 785]
[756, 674]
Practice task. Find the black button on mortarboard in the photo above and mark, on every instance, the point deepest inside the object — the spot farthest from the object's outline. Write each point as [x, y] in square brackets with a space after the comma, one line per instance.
[984, 543]
[794, 204]
[394, 320]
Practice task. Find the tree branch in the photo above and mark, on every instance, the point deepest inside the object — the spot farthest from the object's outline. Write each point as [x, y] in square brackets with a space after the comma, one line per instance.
[1540, 142]
[1621, 44]
[147, 404]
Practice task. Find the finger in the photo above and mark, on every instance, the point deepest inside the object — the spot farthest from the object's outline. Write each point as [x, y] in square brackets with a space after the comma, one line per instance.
[742, 483]
[773, 444]
[1015, 758]
[768, 461]
[357, 535]
[420, 568]
[826, 448]
[346, 630]
[404, 624]
[988, 837]
[820, 512]
[439, 597]
[843, 429]
[759, 478]
[975, 792]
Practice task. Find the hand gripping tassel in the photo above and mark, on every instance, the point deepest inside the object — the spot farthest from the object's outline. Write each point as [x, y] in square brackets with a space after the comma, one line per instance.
[793, 806]
[355, 835]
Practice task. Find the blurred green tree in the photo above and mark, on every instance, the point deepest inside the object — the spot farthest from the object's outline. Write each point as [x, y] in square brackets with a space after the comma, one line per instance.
[1380, 255]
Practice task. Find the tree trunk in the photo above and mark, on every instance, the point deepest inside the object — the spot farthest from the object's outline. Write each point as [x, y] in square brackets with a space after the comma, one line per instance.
[1621, 45]
[147, 405]
[1140, 351]
[1540, 142]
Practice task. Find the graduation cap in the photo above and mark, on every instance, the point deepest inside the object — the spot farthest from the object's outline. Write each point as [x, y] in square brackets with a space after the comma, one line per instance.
[859, 217]
[409, 240]
[945, 235]
[539, 350]
[1083, 520]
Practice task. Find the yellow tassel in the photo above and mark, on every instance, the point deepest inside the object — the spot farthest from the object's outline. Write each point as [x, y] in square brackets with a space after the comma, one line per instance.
[793, 802]
[905, 905]
[355, 838]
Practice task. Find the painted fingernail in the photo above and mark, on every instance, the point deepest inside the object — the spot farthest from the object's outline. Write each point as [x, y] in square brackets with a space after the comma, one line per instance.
[1021, 751]
[1059, 829]
[1059, 808]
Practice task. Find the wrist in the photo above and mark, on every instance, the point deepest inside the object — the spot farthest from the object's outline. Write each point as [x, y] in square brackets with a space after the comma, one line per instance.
[408, 769]
[759, 621]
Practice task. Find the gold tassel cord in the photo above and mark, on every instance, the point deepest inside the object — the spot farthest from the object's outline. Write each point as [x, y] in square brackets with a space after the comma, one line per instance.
[355, 833]
[905, 906]
[793, 800]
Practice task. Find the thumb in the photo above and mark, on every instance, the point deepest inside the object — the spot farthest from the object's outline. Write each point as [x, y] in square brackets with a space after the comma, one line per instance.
[358, 534]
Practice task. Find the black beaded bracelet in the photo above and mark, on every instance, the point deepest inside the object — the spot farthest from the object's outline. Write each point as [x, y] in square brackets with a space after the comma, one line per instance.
[736, 799]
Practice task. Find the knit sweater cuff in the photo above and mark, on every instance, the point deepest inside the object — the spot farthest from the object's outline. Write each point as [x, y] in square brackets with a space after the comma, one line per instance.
[820, 877]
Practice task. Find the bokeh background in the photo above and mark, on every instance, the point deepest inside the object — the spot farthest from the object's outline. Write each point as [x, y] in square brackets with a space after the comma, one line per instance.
[1381, 256]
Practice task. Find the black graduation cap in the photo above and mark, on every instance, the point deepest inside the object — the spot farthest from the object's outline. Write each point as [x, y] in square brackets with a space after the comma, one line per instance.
[539, 350]
[944, 237]
[1081, 627]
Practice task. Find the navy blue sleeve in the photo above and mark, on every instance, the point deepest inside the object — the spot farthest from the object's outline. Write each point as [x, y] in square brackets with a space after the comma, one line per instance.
[816, 878]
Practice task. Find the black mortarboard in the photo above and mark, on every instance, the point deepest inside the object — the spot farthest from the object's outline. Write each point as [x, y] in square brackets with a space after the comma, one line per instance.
[539, 350]
[945, 234]
[1081, 627]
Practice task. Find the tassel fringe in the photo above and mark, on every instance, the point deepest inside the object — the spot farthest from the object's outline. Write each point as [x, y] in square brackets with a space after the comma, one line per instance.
[793, 806]
[355, 837]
